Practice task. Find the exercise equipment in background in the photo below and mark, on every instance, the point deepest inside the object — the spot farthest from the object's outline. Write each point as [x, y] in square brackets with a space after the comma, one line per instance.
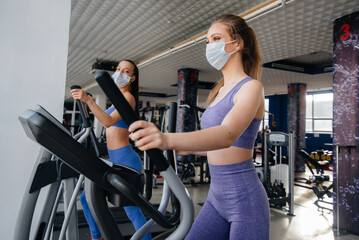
[317, 180]
[277, 170]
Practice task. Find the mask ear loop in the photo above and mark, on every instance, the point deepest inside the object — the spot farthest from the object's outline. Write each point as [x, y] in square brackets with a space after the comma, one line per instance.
[237, 48]
[131, 78]
[231, 41]
[233, 52]
[131, 82]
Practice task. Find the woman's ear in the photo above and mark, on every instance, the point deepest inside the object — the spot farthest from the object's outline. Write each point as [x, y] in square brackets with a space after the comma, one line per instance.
[133, 78]
[239, 44]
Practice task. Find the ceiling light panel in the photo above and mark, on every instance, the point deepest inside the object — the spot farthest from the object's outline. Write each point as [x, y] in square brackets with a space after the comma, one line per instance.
[138, 30]
[114, 30]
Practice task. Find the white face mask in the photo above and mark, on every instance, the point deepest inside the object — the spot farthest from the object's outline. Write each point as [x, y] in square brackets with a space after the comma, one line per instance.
[217, 55]
[121, 79]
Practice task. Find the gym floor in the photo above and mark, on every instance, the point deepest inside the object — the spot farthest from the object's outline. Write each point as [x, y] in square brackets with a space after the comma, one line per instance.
[309, 222]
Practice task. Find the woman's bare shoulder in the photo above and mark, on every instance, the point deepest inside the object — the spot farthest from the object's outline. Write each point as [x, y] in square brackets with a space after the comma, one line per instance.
[130, 98]
[254, 83]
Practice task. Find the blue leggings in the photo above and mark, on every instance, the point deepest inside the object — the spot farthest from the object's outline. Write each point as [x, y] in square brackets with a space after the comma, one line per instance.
[125, 156]
[236, 207]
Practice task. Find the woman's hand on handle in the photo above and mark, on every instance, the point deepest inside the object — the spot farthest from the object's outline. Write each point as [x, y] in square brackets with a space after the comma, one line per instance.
[80, 94]
[147, 136]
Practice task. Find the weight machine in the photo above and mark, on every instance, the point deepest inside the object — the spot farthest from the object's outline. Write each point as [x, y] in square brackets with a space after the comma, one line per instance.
[278, 178]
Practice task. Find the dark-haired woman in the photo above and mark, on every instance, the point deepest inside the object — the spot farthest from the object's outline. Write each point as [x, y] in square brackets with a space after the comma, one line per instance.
[237, 204]
[117, 136]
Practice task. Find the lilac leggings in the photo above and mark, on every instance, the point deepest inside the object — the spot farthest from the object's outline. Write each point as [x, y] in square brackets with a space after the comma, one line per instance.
[236, 208]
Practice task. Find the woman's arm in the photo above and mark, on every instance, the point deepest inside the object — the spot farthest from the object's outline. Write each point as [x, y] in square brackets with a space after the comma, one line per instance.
[247, 102]
[105, 119]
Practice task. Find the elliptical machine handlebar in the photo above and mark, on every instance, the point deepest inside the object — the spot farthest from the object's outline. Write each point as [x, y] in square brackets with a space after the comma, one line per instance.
[86, 121]
[83, 111]
[128, 115]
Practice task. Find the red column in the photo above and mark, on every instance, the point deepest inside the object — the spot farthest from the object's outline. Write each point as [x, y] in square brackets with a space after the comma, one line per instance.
[346, 122]
[187, 86]
[297, 93]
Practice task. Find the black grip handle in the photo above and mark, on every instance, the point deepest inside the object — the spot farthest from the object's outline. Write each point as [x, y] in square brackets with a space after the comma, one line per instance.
[128, 115]
[83, 112]
[75, 87]
[86, 120]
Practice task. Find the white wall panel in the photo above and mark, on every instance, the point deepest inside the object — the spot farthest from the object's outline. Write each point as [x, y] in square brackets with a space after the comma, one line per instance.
[33, 46]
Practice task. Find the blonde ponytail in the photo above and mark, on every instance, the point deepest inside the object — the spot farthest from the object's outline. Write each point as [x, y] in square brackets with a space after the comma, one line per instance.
[251, 58]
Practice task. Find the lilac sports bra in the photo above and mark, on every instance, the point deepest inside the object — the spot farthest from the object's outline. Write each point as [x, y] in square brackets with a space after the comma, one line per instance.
[213, 116]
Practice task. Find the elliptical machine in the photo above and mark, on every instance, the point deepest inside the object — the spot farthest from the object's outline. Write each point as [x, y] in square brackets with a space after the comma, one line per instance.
[43, 130]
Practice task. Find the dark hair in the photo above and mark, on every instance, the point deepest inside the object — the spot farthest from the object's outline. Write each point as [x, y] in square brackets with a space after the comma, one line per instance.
[251, 58]
[134, 88]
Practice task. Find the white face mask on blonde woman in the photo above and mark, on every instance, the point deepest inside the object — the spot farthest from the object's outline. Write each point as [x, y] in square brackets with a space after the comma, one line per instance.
[217, 55]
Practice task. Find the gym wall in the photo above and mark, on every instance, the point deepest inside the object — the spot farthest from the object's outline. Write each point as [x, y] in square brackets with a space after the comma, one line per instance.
[33, 46]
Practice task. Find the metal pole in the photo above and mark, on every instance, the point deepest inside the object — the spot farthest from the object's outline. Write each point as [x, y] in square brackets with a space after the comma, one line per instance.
[53, 213]
[291, 173]
[265, 157]
[337, 188]
[70, 208]
[73, 118]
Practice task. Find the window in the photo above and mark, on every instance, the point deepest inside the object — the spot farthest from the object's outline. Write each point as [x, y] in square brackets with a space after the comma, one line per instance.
[266, 115]
[319, 112]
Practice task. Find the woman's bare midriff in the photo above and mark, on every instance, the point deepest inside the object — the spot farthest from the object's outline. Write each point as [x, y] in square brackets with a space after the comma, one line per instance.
[229, 155]
[117, 137]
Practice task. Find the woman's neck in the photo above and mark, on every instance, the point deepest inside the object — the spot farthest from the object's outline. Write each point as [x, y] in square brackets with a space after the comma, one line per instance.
[125, 89]
[233, 70]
